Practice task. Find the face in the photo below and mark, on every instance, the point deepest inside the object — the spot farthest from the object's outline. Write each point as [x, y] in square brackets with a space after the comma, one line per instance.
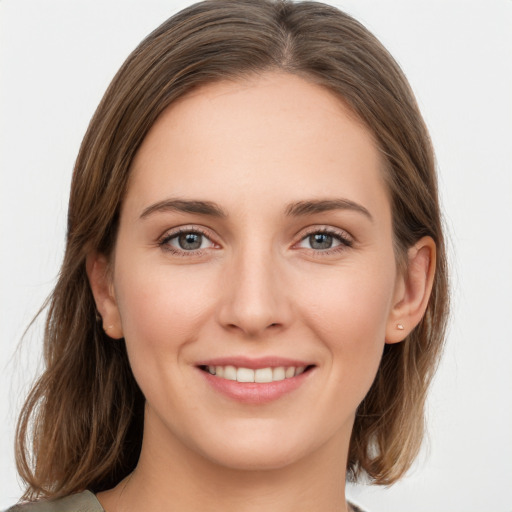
[254, 277]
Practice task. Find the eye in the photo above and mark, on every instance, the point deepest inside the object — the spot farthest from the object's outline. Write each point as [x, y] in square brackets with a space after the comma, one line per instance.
[325, 241]
[320, 241]
[189, 241]
[186, 240]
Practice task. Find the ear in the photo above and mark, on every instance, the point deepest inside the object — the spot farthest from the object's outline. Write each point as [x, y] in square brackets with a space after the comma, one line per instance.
[412, 290]
[100, 279]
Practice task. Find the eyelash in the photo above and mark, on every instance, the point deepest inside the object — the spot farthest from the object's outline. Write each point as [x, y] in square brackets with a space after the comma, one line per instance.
[345, 241]
[164, 241]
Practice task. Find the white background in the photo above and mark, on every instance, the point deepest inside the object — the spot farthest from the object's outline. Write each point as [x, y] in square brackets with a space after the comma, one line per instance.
[57, 57]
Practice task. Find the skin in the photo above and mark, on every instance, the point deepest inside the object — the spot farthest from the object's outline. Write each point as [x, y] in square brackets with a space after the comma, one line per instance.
[257, 287]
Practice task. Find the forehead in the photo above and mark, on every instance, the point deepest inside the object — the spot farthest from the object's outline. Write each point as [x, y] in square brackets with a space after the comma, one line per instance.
[274, 134]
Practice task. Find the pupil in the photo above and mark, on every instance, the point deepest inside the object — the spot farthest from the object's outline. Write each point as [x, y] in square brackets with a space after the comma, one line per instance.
[190, 241]
[320, 241]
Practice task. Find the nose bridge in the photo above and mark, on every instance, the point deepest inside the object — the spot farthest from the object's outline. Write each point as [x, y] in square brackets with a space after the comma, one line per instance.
[254, 298]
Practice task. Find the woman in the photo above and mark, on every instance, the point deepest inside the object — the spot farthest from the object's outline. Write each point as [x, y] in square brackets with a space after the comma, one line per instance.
[253, 296]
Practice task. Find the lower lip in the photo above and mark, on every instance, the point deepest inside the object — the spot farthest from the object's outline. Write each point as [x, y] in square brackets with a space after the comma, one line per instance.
[255, 392]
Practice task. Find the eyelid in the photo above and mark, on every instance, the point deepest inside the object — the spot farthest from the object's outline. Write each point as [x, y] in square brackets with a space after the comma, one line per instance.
[346, 240]
[171, 233]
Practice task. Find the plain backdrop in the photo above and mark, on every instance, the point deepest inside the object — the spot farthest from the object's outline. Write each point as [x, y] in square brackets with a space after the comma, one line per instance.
[57, 58]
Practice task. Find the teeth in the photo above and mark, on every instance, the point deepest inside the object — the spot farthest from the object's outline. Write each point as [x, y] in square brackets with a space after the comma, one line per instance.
[278, 373]
[290, 372]
[230, 372]
[260, 375]
[263, 375]
[245, 375]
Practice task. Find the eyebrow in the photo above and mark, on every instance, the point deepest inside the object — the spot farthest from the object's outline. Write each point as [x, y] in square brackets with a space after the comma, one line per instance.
[185, 206]
[297, 209]
[301, 208]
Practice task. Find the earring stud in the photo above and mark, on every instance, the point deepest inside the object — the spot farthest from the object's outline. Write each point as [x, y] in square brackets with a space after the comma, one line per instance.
[400, 327]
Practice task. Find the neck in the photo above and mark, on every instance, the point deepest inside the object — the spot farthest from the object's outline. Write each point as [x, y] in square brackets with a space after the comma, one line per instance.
[176, 478]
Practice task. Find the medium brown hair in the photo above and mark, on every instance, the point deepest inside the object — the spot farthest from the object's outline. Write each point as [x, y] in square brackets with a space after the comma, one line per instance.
[81, 426]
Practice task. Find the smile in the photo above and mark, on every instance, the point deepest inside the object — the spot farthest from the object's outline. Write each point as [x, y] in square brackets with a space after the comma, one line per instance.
[260, 375]
[255, 381]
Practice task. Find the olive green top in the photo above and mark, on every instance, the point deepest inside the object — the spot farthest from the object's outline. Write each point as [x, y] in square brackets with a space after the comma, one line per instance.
[82, 502]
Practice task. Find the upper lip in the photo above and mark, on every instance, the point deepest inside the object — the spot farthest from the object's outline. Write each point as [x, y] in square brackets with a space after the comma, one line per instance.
[254, 362]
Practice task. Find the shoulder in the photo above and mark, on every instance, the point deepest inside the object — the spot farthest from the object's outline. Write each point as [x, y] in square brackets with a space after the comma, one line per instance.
[81, 502]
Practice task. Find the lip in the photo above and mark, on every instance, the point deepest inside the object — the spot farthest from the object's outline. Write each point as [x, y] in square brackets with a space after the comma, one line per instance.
[254, 363]
[255, 392]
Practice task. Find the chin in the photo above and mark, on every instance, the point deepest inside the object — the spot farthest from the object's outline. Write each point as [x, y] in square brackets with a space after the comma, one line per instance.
[255, 457]
[253, 446]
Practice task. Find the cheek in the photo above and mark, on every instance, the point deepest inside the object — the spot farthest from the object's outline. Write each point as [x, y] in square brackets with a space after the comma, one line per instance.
[162, 311]
[349, 314]
[161, 308]
[350, 303]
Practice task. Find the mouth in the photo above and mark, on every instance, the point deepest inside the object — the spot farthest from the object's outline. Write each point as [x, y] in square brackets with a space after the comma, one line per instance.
[258, 375]
[255, 380]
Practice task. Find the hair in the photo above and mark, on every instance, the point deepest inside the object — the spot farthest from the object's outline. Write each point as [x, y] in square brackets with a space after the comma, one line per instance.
[82, 424]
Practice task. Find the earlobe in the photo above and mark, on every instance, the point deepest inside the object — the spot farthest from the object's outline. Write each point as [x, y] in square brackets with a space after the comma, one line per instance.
[100, 280]
[412, 292]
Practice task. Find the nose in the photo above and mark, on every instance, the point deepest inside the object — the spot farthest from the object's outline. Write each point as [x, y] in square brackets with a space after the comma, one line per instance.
[254, 298]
